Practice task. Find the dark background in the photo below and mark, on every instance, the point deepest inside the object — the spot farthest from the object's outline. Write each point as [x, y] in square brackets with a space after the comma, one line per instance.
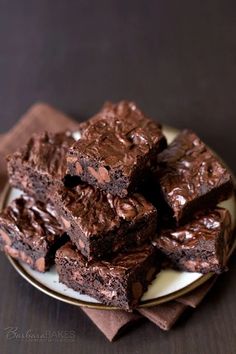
[177, 60]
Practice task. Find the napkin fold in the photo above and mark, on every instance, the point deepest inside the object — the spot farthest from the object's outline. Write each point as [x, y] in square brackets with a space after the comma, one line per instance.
[111, 323]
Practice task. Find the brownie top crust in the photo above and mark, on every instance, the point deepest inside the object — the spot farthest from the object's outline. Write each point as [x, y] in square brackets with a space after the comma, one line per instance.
[34, 222]
[46, 152]
[187, 170]
[97, 212]
[205, 226]
[117, 136]
[118, 266]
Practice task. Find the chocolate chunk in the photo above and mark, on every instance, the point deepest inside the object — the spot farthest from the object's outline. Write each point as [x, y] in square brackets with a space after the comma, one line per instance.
[137, 290]
[40, 264]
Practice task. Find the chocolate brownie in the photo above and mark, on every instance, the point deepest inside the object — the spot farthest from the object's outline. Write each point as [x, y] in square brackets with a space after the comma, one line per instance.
[191, 177]
[202, 245]
[117, 148]
[101, 224]
[30, 232]
[41, 164]
[120, 282]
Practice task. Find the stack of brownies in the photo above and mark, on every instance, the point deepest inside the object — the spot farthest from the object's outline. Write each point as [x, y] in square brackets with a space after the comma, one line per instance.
[110, 206]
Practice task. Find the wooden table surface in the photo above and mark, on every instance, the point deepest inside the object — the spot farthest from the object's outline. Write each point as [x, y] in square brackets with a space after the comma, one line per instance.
[177, 59]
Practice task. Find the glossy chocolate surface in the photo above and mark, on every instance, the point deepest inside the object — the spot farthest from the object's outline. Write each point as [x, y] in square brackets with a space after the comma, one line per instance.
[204, 228]
[119, 266]
[117, 136]
[188, 170]
[33, 223]
[96, 212]
[46, 153]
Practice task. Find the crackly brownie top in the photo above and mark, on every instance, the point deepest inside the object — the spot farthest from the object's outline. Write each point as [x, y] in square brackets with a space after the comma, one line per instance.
[206, 226]
[96, 212]
[188, 169]
[117, 136]
[46, 152]
[33, 222]
[118, 266]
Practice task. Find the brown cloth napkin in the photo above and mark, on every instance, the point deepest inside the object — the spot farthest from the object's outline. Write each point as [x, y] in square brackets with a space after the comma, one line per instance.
[112, 323]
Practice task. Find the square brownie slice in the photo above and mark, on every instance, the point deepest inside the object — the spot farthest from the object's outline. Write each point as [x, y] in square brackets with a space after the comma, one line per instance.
[117, 148]
[119, 282]
[191, 177]
[40, 165]
[202, 245]
[100, 224]
[30, 232]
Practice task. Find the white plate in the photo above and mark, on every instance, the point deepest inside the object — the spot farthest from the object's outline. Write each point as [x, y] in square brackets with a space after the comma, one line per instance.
[168, 284]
